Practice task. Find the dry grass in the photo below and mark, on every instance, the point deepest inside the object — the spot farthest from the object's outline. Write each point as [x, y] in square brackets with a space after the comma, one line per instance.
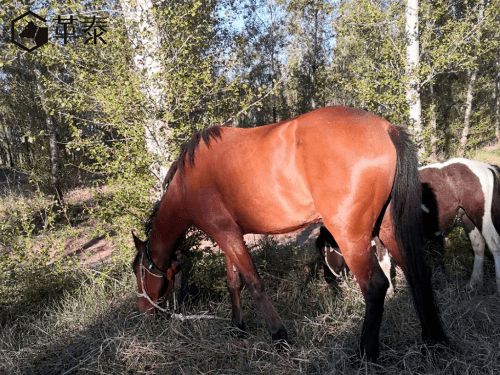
[88, 323]
[94, 328]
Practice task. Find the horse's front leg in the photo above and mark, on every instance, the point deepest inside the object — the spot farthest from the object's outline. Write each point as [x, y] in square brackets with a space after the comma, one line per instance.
[234, 286]
[237, 254]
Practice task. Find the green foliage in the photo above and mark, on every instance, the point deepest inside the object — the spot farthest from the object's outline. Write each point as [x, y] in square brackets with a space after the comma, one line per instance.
[370, 59]
[30, 269]
[208, 270]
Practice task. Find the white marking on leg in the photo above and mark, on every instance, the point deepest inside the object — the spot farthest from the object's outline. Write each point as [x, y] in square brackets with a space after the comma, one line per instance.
[385, 264]
[478, 245]
[425, 209]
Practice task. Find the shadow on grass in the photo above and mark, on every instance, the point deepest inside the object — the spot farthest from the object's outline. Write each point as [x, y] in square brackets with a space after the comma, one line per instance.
[94, 329]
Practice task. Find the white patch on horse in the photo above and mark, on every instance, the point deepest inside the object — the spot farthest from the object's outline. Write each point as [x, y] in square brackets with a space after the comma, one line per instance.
[488, 232]
[425, 209]
[478, 244]
[385, 264]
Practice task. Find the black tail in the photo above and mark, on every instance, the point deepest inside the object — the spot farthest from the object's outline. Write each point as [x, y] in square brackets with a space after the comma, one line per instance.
[406, 202]
[495, 201]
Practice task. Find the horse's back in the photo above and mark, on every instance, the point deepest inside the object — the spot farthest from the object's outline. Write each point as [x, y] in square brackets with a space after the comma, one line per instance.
[284, 176]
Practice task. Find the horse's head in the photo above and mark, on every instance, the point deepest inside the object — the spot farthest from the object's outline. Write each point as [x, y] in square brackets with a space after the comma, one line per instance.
[153, 284]
[29, 30]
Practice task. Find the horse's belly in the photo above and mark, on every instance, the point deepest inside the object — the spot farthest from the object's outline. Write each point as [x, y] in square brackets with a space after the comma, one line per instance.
[275, 216]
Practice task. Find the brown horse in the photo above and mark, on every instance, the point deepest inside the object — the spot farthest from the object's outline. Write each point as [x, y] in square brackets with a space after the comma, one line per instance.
[346, 167]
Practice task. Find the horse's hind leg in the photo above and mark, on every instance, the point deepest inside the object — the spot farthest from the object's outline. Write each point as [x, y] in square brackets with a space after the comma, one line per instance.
[234, 285]
[236, 252]
[492, 239]
[385, 263]
[363, 263]
[478, 245]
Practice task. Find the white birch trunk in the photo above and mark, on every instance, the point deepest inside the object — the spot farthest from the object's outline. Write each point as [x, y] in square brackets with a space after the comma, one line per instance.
[470, 90]
[497, 107]
[433, 124]
[55, 165]
[145, 38]
[468, 111]
[412, 69]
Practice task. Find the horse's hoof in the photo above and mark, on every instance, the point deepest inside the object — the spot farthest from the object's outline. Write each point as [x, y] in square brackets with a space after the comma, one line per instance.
[280, 339]
[239, 330]
[370, 355]
[390, 294]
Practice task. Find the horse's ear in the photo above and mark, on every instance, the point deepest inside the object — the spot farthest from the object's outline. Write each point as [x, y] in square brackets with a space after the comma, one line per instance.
[138, 243]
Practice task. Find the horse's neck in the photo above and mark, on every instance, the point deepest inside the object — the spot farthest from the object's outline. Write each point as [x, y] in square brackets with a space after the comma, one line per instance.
[168, 230]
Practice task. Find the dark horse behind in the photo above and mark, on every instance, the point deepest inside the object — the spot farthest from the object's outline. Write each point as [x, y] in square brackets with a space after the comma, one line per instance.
[351, 170]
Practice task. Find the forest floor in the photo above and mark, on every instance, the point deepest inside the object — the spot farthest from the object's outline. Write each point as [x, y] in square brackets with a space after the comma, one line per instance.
[79, 317]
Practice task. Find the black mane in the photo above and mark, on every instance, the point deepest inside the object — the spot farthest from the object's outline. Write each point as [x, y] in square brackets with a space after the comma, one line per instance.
[152, 217]
[189, 148]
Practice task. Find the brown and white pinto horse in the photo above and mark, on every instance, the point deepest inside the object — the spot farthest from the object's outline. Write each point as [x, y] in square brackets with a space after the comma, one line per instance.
[463, 187]
[351, 170]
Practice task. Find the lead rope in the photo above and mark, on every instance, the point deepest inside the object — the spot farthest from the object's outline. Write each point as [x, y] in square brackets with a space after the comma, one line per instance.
[331, 248]
[144, 293]
[170, 274]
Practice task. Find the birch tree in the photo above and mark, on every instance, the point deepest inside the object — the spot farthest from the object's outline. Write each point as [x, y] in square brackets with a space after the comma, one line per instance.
[412, 71]
[472, 75]
[145, 38]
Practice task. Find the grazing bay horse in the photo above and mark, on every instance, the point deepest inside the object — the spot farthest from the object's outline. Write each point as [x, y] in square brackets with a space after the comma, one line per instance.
[351, 170]
[463, 187]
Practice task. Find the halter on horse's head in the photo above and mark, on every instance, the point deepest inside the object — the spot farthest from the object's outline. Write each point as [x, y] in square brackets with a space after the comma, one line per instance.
[151, 278]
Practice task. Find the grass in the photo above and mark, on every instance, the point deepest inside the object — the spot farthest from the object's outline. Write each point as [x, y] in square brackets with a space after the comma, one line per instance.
[489, 156]
[92, 326]
[86, 322]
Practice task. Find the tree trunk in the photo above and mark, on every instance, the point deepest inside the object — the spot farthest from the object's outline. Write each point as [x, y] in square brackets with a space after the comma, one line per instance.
[143, 33]
[315, 58]
[55, 165]
[433, 124]
[497, 106]
[55, 169]
[412, 71]
[468, 110]
[8, 145]
[472, 72]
